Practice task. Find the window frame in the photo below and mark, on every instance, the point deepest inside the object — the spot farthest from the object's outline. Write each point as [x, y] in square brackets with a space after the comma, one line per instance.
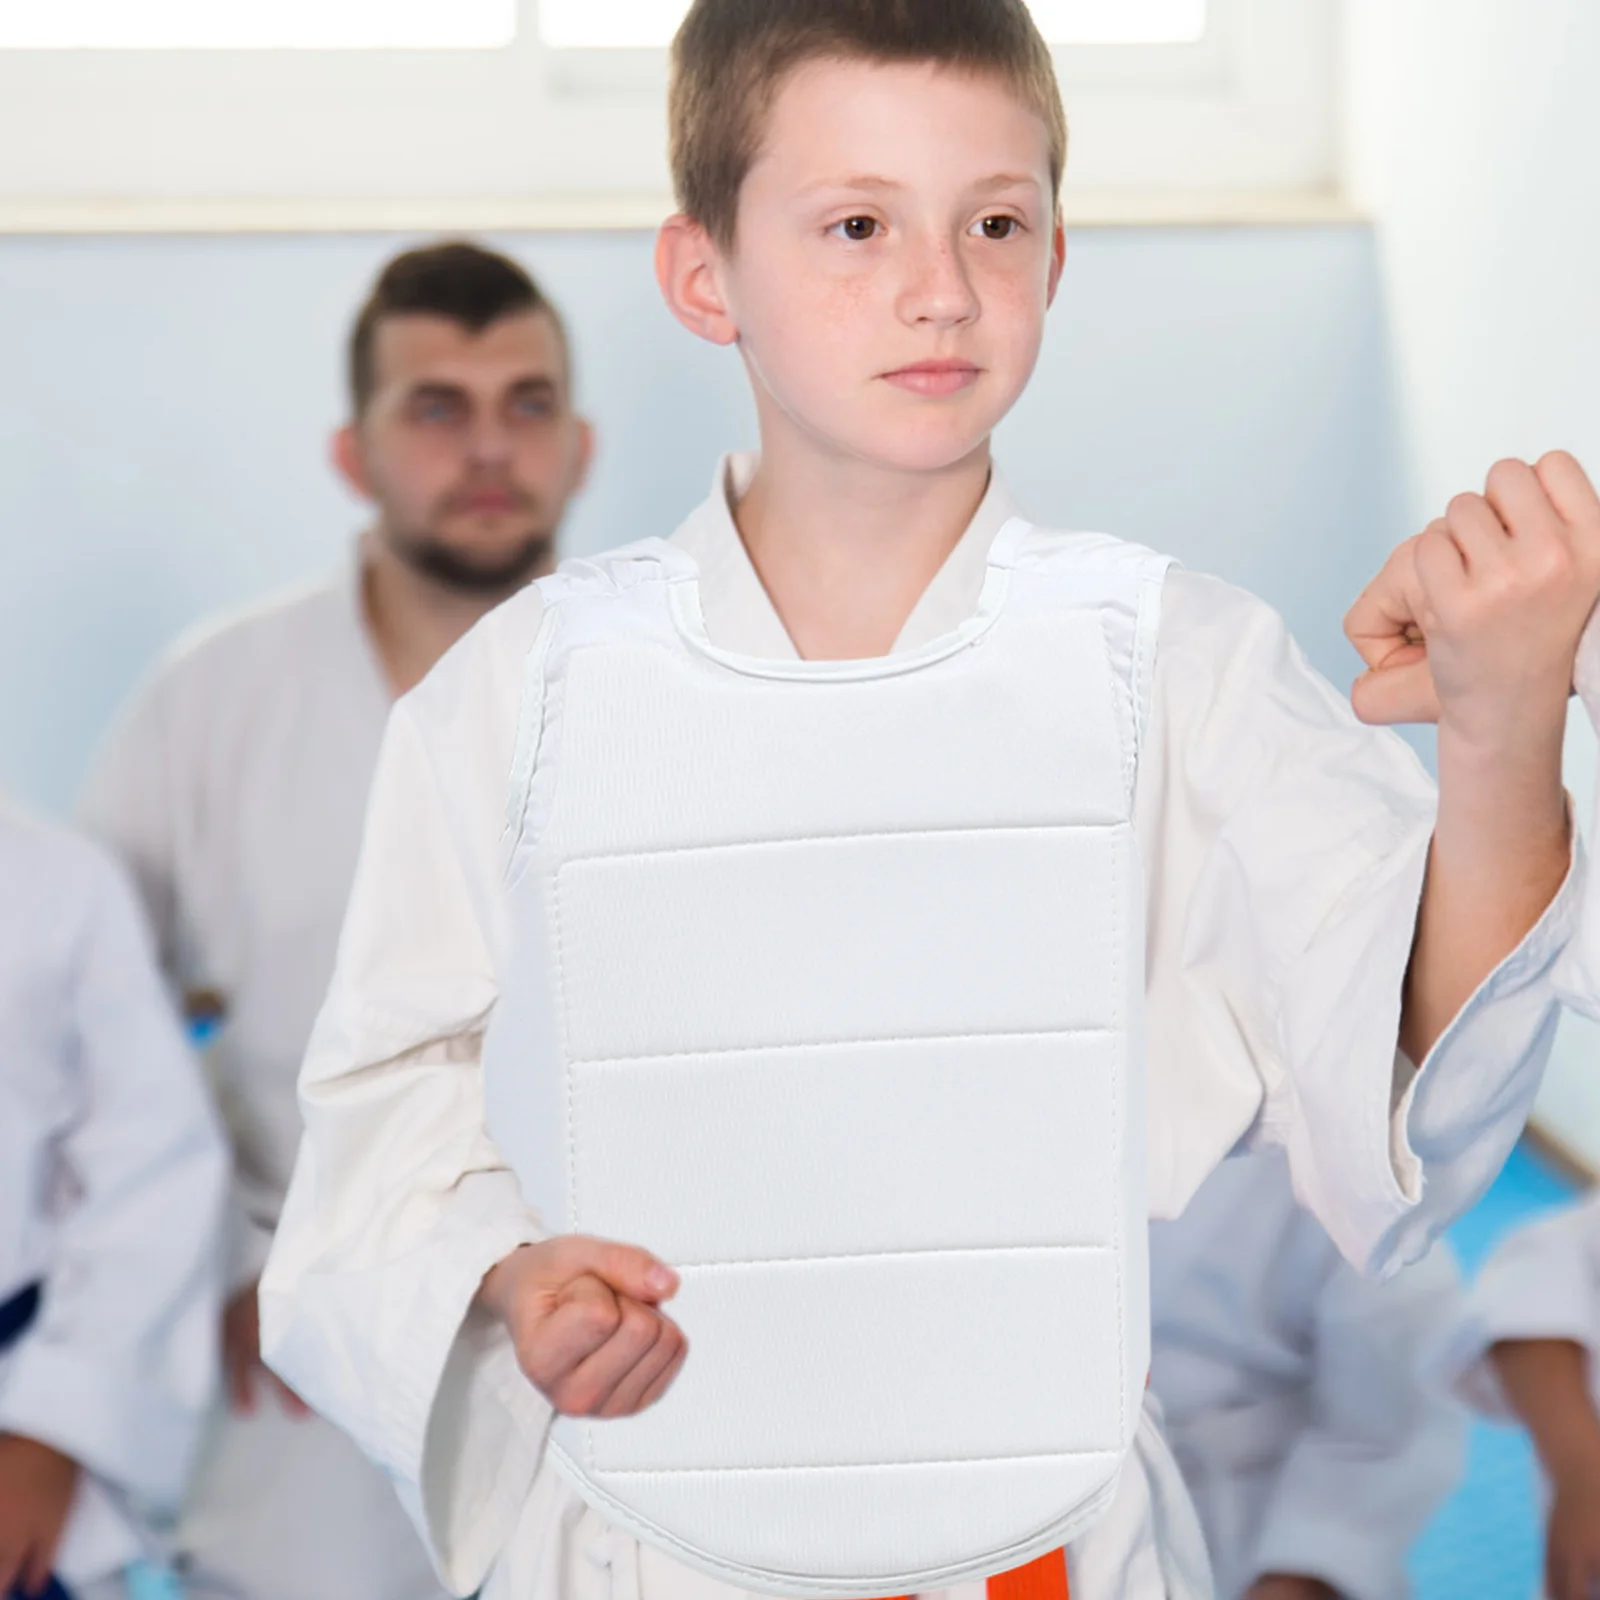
[526, 136]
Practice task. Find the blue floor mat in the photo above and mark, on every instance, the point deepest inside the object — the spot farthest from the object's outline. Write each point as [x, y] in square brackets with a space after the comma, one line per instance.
[1486, 1542]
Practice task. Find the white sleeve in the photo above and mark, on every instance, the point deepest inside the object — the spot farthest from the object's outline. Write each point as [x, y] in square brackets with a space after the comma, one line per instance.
[119, 1368]
[1542, 1282]
[399, 1202]
[1382, 1448]
[1577, 974]
[1286, 845]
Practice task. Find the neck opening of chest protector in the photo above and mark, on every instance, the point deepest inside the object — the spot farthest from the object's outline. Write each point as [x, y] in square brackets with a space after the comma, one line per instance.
[824, 984]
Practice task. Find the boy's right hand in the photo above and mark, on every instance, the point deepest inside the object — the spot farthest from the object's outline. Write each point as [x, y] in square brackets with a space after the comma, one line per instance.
[584, 1320]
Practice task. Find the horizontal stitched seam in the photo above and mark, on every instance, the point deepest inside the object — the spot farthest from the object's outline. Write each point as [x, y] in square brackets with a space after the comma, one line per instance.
[1109, 826]
[897, 1255]
[847, 1044]
[853, 1466]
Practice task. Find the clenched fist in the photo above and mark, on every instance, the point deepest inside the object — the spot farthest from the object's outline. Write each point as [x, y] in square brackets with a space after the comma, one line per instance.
[584, 1320]
[1475, 622]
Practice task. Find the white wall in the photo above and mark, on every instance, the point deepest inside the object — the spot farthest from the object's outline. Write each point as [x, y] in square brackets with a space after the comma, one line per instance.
[1475, 132]
[1221, 394]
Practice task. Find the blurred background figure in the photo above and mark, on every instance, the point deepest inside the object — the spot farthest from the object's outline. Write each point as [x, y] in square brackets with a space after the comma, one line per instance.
[1524, 1350]
[112, 1179]
[1293, 1392]
[234, 787]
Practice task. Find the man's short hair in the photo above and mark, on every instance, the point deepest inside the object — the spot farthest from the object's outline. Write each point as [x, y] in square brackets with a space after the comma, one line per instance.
[731, 56]
[456, 279]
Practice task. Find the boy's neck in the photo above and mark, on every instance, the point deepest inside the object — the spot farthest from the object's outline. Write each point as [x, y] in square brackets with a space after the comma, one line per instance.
[845, 548]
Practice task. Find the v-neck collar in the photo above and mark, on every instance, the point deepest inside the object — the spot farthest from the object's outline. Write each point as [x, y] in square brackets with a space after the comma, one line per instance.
[739, 613]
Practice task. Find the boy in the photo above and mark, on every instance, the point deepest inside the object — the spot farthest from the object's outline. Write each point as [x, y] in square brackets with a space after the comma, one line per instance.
[234, 789]
[855, 783]
[1291, 1392]
[112, 1174]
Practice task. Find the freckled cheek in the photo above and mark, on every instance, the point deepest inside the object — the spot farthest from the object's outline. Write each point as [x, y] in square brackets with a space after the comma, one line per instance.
[1015, 312]
[817, 337]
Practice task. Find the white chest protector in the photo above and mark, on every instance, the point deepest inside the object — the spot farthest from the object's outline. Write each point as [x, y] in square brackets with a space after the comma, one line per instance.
[825, 984]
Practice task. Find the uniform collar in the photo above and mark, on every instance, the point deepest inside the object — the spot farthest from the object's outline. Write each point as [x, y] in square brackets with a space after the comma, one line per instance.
[739, 614]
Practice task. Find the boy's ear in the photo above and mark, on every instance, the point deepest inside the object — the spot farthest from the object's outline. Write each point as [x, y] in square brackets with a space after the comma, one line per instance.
[1058, 259]
[689, 270]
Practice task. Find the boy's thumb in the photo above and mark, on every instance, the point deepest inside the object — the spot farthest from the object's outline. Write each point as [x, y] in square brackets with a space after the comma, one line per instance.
[1387, 695]
[623, 1267]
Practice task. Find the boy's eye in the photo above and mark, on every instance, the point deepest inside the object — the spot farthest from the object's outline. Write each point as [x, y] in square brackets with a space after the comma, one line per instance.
[857, 228]
[998, 227]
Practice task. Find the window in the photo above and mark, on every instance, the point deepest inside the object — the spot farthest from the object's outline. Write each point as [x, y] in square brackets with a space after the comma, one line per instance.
[649, 24]
[256, 24]
[419, 115]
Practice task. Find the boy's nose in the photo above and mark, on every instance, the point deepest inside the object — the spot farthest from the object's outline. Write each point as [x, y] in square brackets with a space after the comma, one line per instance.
[938, 288]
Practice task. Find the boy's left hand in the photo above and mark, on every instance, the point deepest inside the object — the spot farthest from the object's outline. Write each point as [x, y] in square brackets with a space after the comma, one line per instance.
[1475, 622]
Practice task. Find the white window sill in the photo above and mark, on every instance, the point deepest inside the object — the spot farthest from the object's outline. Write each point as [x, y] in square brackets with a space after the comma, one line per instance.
[603, 214]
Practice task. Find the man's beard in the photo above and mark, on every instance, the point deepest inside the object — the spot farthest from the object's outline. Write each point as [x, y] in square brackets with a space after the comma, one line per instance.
[471, 574]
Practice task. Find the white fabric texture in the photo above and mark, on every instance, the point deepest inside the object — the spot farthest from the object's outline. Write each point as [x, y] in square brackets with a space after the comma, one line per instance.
[234, 786]
[1283, 846]
[1541, 1282]
[721, 1010]
[1293, 1391]
[112, 1177]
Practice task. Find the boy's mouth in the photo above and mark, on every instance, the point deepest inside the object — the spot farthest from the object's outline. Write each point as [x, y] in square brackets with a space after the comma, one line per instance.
[934, 378]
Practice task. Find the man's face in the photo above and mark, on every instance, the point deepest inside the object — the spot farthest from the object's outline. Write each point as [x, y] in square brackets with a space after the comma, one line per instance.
[896, 252]
[468, 446]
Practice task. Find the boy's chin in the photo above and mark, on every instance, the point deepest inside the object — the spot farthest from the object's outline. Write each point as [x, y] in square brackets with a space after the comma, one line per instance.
[929, 445]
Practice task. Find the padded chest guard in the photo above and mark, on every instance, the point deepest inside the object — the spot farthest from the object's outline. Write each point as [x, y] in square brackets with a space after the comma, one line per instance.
[825, 985]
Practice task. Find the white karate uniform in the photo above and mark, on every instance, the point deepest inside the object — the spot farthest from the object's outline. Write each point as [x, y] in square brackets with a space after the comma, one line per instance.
[1283, 847]
[234, 787]
[1291, 1388]
[1541, 1282]
[112, 1179]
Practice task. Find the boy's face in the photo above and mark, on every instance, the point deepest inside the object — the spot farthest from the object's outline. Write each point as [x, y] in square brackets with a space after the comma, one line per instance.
[895, 255]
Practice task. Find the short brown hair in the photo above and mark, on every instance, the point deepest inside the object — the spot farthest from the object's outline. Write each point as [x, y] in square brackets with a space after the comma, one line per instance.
[455, 279]
[730, 57]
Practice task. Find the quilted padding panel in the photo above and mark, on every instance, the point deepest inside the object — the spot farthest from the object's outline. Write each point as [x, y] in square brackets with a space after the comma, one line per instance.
[849, 1149]
[872, 1361]
[967, 742]
[859, 1515]
[892, 936]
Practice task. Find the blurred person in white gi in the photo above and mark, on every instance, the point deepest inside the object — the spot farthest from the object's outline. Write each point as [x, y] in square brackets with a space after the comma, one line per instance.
[235, 787]
[113, 1175]
[1524, 1349]
[1291, 1385]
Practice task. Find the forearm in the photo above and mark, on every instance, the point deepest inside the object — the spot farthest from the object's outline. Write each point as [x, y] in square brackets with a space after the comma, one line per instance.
[1501, 850]
[1546, 1382]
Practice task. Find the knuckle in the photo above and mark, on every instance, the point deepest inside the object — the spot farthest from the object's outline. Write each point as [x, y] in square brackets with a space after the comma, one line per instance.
[1507, 473]
[599, 1318]
[577, 1399]
[1463, 505]
[637, 1324]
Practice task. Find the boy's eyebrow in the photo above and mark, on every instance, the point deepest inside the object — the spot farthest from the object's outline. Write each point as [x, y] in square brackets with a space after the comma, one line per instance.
[999, 180]
[860, 182]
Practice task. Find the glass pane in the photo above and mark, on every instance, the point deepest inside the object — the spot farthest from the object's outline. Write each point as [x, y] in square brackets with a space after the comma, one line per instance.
[256, 24]
[644, 24]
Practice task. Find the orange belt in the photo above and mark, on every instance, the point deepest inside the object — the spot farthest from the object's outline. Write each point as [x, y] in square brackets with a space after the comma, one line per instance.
[1044, 1579]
